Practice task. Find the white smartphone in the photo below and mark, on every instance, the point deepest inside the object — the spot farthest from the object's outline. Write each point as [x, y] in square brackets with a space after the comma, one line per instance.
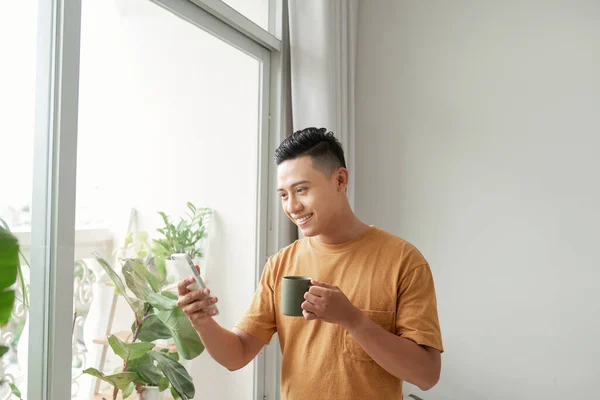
[184, 261]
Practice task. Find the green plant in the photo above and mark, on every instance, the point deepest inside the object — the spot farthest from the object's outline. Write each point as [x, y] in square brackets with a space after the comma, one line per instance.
[25, 299]
[157, 316]
[9, 266]
[185, 236]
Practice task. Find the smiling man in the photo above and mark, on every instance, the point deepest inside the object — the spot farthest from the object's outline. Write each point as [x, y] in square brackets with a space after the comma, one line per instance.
[370, 318]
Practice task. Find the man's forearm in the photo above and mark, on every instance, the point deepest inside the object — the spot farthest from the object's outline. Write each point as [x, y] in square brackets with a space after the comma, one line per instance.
[401, 357]
[224, 346]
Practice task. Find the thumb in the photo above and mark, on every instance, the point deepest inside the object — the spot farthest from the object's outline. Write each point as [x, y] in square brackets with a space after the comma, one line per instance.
[197, 267]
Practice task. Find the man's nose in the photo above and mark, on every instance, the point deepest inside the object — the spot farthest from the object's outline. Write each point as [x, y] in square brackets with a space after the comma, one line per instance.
[293, 205]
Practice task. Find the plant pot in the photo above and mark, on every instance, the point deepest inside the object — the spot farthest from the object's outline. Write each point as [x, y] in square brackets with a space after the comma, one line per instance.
[172, 271]
[151, 393]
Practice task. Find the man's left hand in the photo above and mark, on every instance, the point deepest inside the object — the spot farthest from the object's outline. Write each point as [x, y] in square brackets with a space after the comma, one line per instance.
[328, 303]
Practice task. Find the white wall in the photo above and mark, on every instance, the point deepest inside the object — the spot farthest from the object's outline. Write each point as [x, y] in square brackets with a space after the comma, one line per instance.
[477, 140]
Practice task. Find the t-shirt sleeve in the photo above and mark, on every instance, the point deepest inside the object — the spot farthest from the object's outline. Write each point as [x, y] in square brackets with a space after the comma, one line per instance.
[259, 319]
[416, 313]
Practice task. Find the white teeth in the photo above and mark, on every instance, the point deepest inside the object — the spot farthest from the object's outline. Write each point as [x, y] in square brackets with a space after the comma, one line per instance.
[300, 220]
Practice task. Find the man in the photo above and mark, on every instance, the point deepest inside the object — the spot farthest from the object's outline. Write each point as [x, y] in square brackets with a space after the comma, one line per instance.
[370, 318]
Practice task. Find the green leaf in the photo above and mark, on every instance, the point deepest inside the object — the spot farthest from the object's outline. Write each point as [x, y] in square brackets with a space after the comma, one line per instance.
[191, 207]
[3, 350]
[186, 338]
[161, 268]
[179, 378]
[170, 295]
[135, 304]
[9, 259]
[174, 394]
[129, 351]
[174, 355]
[154, 282]
[152, 329]
[146, 370]
[15, 390]
[163, 384]
[136, 278]
[120, 380]
[128, 390]
[142, 236]
[9, 264]
[7, 300]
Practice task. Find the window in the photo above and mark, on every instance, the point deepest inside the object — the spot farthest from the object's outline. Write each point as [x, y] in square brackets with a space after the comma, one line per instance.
[156, 103]
[18, 31]
[168, 114]
[255, 10]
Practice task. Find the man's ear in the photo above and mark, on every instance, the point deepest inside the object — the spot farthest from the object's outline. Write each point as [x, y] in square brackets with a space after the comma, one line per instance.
[342, 179]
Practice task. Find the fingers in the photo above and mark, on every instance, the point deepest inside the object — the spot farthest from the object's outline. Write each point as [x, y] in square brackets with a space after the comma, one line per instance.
[311, 297]
[198, 312]
[200, 307]
[322, 284]
[197, 267]
[309, 316]
[192, 296]
[318, 291]
[310, 307]
[182, 286]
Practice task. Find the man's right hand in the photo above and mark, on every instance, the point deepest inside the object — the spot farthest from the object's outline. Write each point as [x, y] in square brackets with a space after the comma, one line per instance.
[232, 349]
[194, 303]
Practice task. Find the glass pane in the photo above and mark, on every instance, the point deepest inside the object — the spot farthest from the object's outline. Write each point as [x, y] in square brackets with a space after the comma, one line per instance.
[18, 30]
[168, 114]
[256, 11]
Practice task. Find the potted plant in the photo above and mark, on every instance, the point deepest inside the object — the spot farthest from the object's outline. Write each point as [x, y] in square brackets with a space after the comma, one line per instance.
[184, 237]
[147, 370]
[9, 266]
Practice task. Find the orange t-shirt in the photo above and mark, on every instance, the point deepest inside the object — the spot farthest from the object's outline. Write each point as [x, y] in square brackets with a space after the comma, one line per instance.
[384, 276]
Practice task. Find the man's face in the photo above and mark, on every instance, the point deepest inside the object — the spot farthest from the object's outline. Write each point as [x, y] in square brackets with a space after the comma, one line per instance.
[309, 197]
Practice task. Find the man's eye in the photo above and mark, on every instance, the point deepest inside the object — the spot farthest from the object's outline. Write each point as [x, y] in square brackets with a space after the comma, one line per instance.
[283, 195]
[300, 190]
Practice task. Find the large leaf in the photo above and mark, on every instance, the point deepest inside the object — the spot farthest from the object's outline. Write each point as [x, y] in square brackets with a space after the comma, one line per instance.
[24, 289]
[136, 277]
[146, 370]
[152, 272]
[129, 351]
[179, 378]
[9, 263]
[152, 329]
[120, 380]
[7, 300]
[9, 259]
[135, 304]
[163, 384]
[186, 338]
[174, 355]
[128, 390]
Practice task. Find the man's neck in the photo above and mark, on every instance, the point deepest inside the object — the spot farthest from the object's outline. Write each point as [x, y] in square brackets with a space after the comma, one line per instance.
[348, 228]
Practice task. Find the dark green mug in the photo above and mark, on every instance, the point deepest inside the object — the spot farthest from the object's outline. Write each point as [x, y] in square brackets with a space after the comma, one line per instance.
[292, 294]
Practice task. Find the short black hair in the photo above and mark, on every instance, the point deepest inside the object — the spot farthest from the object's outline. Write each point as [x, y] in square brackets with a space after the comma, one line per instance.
[322, 146]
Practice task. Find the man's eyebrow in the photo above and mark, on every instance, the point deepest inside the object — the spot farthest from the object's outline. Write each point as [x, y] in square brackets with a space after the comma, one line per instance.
[295, 184]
